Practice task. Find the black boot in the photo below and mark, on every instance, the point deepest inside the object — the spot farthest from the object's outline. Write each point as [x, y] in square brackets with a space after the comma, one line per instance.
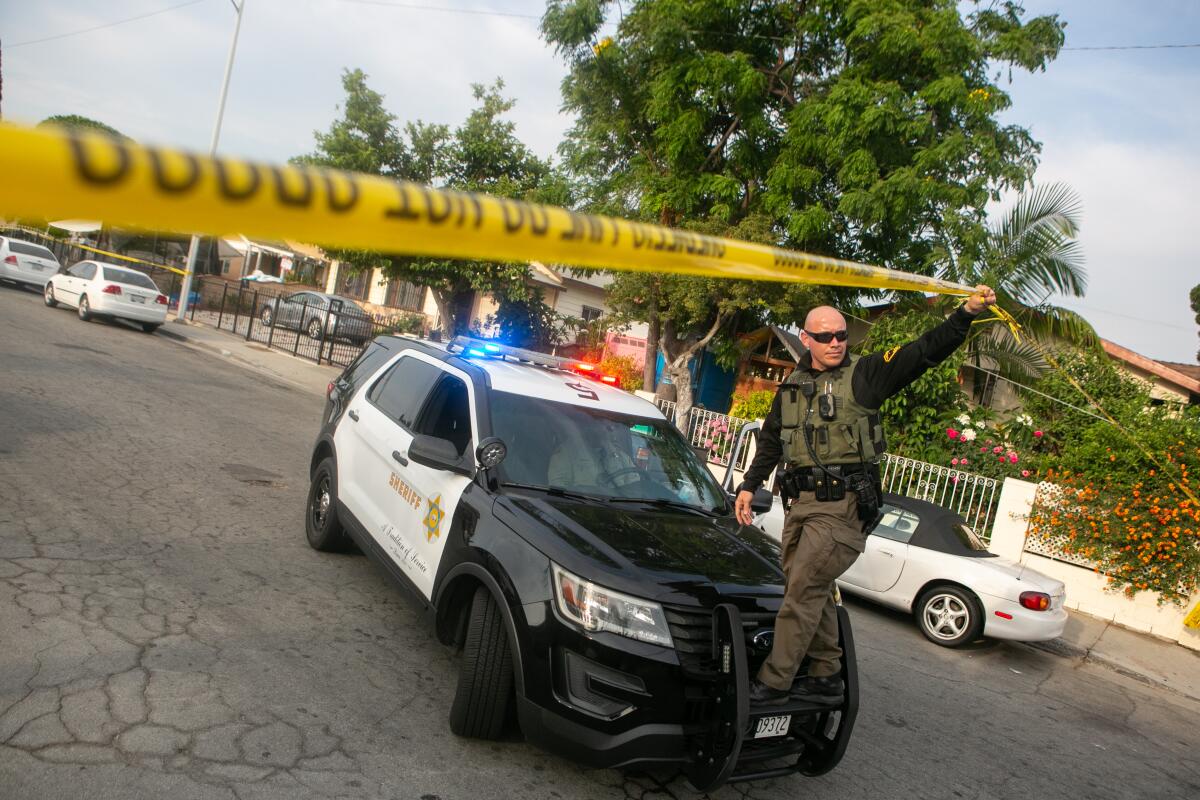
[828, 689]
[763, 695]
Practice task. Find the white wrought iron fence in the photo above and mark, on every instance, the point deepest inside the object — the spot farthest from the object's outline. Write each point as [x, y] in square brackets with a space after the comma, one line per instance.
[714, 432]
[973, 496]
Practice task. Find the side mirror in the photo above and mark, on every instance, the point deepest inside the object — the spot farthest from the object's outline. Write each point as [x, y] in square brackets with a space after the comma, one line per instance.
[438, 454]
[762, 500]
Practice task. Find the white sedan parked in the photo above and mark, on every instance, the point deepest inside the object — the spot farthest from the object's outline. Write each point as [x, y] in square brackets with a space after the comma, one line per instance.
[926, 560]
[26, 262]
[99, 289]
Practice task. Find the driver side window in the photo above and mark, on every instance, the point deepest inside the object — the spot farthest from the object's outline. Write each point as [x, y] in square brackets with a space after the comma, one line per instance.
[447, 413]
[897, 524]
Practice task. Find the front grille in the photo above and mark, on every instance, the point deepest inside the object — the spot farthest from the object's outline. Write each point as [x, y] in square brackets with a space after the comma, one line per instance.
[691, 630]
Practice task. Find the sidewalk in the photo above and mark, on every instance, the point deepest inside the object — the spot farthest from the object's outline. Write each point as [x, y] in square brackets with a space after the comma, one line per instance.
[1154, 661]
[1146, 658]
[254, 356]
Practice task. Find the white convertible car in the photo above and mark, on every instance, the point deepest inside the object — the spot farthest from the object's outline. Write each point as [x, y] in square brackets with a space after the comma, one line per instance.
[926, 560]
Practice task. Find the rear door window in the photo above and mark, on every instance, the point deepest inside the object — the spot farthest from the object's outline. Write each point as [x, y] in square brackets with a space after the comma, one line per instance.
[402, 390]
[27, 249]
[84, 269]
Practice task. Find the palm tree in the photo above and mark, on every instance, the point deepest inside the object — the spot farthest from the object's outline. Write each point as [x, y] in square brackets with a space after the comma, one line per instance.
[1030, 255]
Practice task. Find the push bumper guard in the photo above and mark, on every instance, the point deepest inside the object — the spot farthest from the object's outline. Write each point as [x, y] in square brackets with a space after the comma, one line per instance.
[725, 750]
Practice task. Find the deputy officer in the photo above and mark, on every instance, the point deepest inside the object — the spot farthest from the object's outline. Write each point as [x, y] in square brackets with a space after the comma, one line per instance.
[824, 432]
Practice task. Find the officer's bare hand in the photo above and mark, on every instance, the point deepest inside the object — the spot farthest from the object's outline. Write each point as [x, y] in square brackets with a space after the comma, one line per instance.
[741, 507]
[984, 297]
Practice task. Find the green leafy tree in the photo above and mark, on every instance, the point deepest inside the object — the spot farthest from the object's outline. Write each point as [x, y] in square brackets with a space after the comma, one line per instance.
[482, 154]
[1195, 297]
[76, 122]
[856, 128]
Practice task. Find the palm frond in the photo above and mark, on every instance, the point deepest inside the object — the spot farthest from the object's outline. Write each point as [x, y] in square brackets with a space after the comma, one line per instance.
[1032, 249]
[998, 351]
[1048, 322]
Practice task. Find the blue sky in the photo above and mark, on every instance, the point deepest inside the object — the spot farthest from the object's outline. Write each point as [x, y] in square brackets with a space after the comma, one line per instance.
[1120, 126]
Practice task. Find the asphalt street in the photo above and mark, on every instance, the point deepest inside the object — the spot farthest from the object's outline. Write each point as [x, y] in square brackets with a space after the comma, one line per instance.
[166, 632]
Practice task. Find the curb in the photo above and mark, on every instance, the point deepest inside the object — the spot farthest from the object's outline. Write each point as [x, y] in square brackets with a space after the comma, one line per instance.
[214, 349]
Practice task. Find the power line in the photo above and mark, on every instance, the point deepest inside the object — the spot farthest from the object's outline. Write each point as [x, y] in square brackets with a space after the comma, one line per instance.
[1135, 47]
[107, 24]
[416, 7]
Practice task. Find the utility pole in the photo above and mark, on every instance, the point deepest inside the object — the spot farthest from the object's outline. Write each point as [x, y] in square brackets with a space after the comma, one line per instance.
[194, 247]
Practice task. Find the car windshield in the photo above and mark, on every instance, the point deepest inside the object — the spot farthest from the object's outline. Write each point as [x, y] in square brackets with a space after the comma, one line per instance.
[967, 536]
[129, 278]
[600, 453]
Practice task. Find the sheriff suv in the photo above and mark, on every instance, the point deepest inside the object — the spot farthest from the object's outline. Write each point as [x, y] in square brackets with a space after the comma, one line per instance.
[563, 535]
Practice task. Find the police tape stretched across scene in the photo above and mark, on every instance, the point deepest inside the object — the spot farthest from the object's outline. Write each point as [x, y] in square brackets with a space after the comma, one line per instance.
[52, 172]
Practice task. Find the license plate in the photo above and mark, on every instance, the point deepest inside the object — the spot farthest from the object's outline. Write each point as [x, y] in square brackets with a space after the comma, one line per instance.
[772, 726]
[137, 298]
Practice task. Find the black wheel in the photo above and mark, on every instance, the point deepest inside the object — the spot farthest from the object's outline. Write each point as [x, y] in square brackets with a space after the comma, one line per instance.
[321, 524]
[314, 328]
[85, 309]
[149, 327]
[949, 616]
[266, 315]
[485, 679]
[48, 295]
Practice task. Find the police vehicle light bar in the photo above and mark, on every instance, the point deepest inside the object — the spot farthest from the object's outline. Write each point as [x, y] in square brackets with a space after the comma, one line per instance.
[480, 348]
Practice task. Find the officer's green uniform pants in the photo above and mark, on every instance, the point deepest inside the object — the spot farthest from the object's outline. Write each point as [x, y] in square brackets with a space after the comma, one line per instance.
[820, 542]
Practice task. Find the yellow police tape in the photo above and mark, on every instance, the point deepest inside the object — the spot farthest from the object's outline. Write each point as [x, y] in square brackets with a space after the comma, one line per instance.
[129, 258]
[51, 173]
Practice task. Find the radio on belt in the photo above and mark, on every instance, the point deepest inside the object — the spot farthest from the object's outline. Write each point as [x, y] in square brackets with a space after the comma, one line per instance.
[498, 487]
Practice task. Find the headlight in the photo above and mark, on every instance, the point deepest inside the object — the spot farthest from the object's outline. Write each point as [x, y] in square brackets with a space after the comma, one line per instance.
[595, 608]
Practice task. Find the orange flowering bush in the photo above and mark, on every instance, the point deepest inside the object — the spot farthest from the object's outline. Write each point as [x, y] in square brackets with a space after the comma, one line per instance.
[1142, 535]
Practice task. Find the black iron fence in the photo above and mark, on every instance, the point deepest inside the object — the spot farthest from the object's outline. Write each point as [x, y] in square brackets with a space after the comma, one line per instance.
[314, 330]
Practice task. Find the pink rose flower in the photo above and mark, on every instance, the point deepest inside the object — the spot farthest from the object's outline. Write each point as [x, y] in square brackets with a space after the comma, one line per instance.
[1024, 473]
[953, 434]
[983, 449]
[708, 442]
[997, 449]
[1038, 434]
[1013, 458]
[954, 462]
[963, 462]
[954, 479]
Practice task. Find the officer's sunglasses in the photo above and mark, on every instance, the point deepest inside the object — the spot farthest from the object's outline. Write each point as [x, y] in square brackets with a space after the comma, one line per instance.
[825, 337]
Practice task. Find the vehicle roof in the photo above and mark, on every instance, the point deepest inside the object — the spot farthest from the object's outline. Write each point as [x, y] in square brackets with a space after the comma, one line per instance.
[934, 529]
[555, 385]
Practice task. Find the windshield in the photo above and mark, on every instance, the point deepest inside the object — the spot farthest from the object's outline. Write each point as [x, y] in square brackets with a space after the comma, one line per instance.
[967, 536]
[600, 453]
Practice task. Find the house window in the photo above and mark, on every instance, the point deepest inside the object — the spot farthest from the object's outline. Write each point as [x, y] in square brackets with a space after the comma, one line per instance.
[402, 294]
[356, 284]
[592, 314]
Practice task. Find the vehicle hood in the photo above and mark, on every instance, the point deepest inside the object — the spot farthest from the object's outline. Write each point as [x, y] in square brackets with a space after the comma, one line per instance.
[666, 554]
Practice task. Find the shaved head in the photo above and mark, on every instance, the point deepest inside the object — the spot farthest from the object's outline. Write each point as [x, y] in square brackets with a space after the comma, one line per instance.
[825, 320]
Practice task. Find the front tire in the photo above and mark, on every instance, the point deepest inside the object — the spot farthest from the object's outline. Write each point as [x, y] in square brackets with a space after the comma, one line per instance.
[321, 524]
[48, 296]
[314, 328]
[949, 616]
[85, 309]
[485, 678]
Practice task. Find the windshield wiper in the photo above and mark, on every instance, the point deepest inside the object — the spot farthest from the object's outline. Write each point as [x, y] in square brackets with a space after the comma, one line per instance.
[555, 491]
[661, 503]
